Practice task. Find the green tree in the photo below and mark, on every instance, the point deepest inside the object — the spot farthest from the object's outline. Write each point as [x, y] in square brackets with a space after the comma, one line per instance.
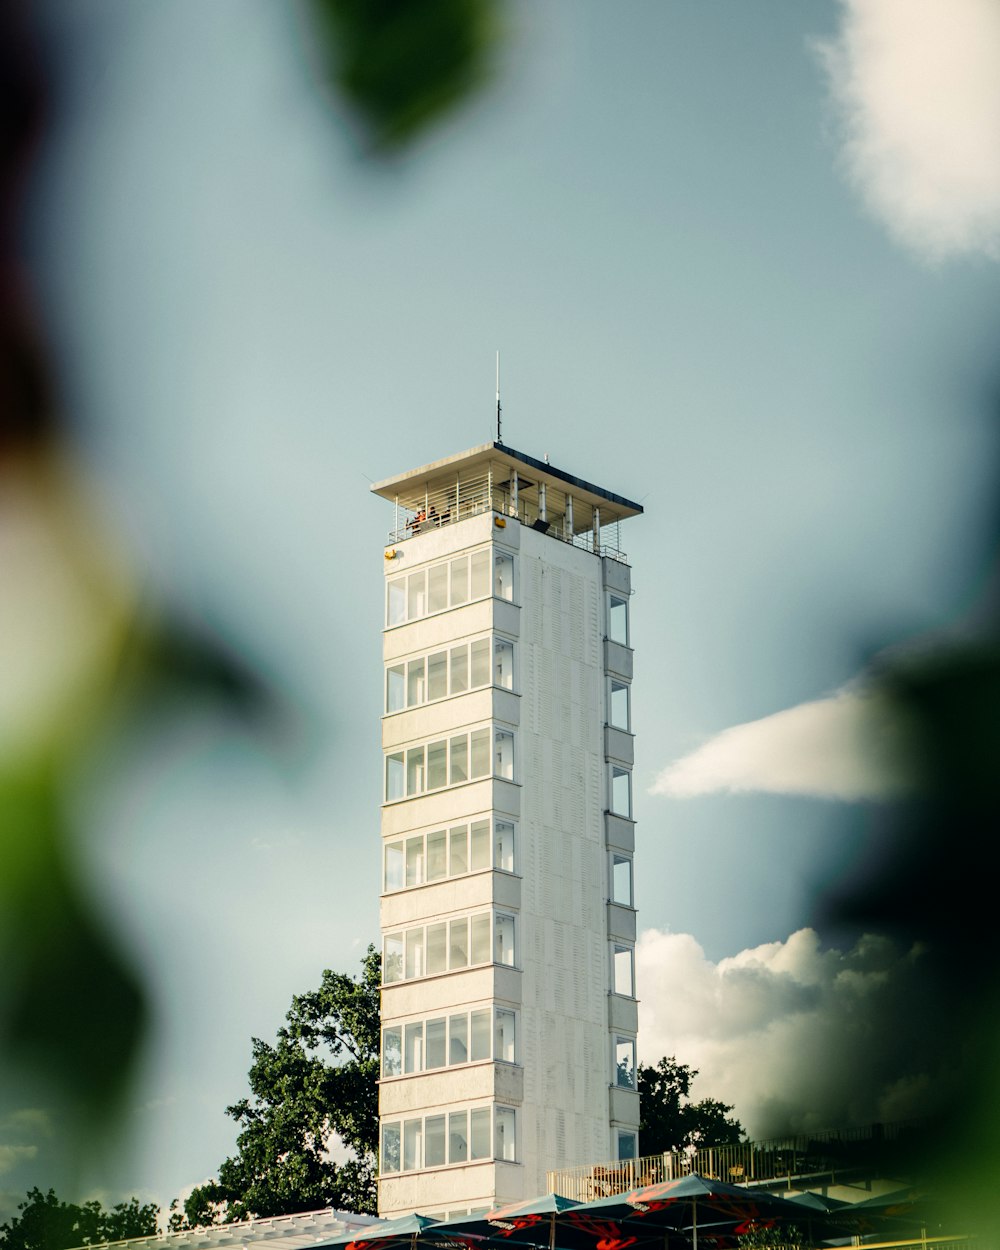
[317, 1084]
[46, 1223]
[670, 1121]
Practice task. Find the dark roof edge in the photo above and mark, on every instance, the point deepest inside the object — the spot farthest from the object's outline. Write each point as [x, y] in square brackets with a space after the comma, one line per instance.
[542, 467]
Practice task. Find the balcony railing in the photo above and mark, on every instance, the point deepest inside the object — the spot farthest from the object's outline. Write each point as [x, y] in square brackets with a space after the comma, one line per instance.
[416, 514]
[745, 1163]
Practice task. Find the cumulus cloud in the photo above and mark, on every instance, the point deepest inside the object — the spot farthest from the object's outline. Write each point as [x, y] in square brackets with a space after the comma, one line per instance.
[846, 746]
[796, 1037]
[916, 84]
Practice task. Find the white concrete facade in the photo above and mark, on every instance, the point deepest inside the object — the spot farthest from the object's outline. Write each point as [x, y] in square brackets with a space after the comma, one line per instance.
[508, 1005]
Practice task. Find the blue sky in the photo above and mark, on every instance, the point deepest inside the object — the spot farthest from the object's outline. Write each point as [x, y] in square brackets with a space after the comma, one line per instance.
[736, 269]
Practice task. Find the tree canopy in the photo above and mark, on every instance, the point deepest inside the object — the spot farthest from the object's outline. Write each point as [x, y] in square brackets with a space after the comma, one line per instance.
[315, 1088]
[670, 1121]
[46, 1223]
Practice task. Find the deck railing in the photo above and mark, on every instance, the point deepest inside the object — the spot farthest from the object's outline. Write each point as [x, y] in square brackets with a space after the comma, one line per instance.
[416, 514]
[745, 1163]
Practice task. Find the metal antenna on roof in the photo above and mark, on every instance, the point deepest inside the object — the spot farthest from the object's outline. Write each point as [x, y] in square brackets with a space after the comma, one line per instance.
[499, 439]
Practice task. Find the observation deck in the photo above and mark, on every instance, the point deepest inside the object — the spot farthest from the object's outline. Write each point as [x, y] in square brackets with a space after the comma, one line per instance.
[494, 477]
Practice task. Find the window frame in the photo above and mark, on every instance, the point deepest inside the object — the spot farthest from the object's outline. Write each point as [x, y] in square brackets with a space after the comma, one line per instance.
[484, 828]
[412, 941]
[463, 751]
[409, 1132]
[404, 589]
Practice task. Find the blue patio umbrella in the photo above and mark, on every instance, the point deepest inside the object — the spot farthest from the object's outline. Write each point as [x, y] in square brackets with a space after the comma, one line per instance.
[399, 1234]
[531, 1223]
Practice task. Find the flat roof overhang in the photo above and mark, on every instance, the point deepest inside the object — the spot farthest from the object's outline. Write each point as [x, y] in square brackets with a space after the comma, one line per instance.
[441, 474]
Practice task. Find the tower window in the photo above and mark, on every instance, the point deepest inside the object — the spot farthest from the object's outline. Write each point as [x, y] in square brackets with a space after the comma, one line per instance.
[621, 792]
[448, 584]
[625, 1062]
[622, 971]
[618, 706]
[618, 630]
[621, 879]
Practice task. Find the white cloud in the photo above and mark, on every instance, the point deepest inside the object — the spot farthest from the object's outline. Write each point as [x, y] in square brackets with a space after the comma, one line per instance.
[917, 87]
[795, 1037]
[845, 746]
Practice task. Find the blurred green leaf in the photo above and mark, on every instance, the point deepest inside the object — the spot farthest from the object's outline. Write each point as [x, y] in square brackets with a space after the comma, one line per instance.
[403, 64]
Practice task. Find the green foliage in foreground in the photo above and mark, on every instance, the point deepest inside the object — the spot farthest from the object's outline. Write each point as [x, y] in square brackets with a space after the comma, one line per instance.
[670, 1121]
[45, 1223]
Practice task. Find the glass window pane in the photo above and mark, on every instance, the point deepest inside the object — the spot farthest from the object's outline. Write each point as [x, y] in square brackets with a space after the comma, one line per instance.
[479, 1134]
[415, 770]
[479, 1034]
[413, 1048]
[437, 948]
[434, 1033]
[503, 754]
[618, 710]
[437, 764]
[503, 663]
[393, 879]
[412, 1134]
[623, 978]
[414, 861]
[392, 958]
[392, 1046]
[618, 620]
[437, 588]
[395, 688]
[479, 663]
[505, 1143]
[390, 1147]
[621, 880]
[394, 776]
[479, 947]
[627, 1145]
[437, 675]
[503, 842]
[458, 841]
[479, 848]
[480, 752]
[480, 574]
[504, 1040]
[621, 792]
[414, 953]
[458, 1039]
[504, 950]
[434, 1141]
[437, 859]
[503, 576]
[625, 1062]
[459, 759]
[459, 581]
[458, 944]
[458, 1136]
[395, 612]
[460, 669]
[416, 596]
[415, 683]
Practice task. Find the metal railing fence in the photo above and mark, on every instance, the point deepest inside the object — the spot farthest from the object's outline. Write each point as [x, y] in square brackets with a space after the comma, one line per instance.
[741, 1163]
[432, 509]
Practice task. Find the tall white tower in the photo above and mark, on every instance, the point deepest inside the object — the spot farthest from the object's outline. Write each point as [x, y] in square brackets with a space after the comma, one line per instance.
[508, 924]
